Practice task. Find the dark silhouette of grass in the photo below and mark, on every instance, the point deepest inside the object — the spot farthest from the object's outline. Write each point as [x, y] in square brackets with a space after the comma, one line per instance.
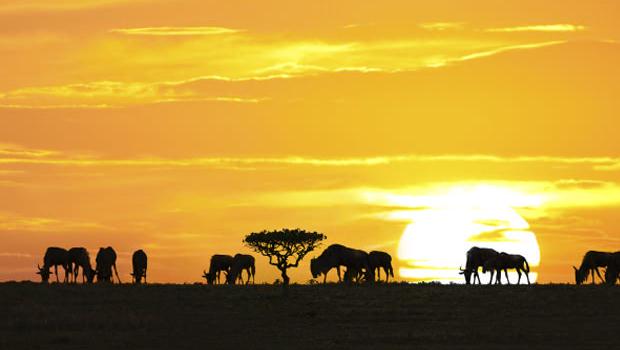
[391, 316]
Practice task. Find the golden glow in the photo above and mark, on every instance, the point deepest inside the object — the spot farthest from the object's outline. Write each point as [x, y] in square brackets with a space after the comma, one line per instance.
[432, 247]
[178, 126]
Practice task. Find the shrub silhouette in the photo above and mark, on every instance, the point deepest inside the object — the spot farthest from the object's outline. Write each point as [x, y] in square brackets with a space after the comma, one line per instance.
[285, 248]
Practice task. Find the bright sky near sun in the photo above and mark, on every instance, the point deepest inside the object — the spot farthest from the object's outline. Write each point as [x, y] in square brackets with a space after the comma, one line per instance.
[416, 127]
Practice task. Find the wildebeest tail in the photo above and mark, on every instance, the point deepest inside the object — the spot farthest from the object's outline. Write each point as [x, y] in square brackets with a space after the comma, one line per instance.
[527, 266]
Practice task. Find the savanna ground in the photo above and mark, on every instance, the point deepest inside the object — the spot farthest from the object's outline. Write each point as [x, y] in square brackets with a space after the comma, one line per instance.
[330, 316]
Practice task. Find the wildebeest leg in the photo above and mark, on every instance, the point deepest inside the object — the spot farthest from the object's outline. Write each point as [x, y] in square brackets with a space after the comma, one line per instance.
[527, 276]
[498, 276]
[379, 274]
[116, 272]
[506, 273]
[599, 275]
[387, 274]
[593, 281]
[56, 272]
[519, 274]
[338, 270]
[325, 277]
[491, 279]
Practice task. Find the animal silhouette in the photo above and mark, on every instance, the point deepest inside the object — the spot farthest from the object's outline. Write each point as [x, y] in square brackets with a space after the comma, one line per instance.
[504, 262]
[79, 258]
[381, 260]
[590, 263]
[240, 263]
[613, 269]
[219, 263]
[55, 257]
[139, 263]
[476, 257]
[356, 261]
[106, 261]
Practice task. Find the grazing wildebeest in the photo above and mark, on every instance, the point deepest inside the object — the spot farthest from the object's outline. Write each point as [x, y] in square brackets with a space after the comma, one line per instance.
[241, 262]
[613, 269]
[590, 263]
[54, 256]
[106, 260]
[476, 258]
[381, 260]
[219, 263]
[330, 258]
[336, 255]
[507, 261]
[79, 257]
[139, 264]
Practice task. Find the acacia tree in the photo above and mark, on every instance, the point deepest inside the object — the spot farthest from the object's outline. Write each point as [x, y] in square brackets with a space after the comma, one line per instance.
[285, 248]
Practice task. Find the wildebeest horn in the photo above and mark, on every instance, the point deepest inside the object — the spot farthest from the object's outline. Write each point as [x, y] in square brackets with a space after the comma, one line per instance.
[575, 268]
[461, 269]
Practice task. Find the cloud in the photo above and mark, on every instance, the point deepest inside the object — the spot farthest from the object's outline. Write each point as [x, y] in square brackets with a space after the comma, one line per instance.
[176, 31]
[15, 222]
[540, 28]
[441, 26]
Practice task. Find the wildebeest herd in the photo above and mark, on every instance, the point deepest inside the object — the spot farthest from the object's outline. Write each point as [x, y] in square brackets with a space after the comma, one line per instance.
[360, 266]
[75, 258]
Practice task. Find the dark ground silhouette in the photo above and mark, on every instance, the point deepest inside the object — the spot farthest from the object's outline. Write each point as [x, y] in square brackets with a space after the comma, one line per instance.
[395, 316]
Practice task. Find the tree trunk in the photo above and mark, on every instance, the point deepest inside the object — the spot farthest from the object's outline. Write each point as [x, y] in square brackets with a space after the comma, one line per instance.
[285, 278]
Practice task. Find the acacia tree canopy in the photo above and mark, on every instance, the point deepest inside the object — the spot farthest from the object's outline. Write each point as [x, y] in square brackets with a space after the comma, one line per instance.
[285, 248]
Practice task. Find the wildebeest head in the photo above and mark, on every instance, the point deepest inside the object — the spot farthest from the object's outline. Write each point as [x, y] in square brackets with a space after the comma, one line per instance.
[578, 276]
[315, 268]
[467, 273]
[210, 277]
[45, 274]
[90, 275]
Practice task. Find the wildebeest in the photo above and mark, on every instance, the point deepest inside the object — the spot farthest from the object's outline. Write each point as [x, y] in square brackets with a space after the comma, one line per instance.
[54, 256]
[381, 260]
[507, 261]
[336, 255]
[330, 258]
[476, 257]
[219, 263]
[240, 263]
[106, 260]
[590, 263]
[139, 264]
[79, 257]
[613, 268]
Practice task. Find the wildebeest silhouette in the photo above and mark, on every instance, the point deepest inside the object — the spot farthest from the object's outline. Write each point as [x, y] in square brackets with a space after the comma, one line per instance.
[79, 257]
[240, 263]
[219, 263]
[356, 261]
[613, 269]
[504, 262]
[139, 264]
[590, 263]
[106, 260]
[476, 257]
[330, 258]
[54, 256]
[381, 260]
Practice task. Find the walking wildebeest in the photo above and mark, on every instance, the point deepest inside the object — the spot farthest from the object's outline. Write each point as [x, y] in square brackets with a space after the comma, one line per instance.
[54, 256]
[241, 262]
[336, 255]
[590, 264]
[139, 263]
[504, 262]
[106, 260]
[79, 257]
[476, 258]
[381, 260]
[219, 263]
[613, 269]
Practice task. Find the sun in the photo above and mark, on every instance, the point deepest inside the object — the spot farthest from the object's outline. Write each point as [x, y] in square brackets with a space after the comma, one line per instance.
[433, 245]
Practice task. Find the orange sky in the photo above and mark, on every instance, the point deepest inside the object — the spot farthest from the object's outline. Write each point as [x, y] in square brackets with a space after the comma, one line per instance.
[180, 126]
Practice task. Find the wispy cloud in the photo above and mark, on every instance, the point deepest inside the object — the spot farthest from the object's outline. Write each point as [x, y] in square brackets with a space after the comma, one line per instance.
[176, 31]
[15, 222]
[441, 26]
[540, 28]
